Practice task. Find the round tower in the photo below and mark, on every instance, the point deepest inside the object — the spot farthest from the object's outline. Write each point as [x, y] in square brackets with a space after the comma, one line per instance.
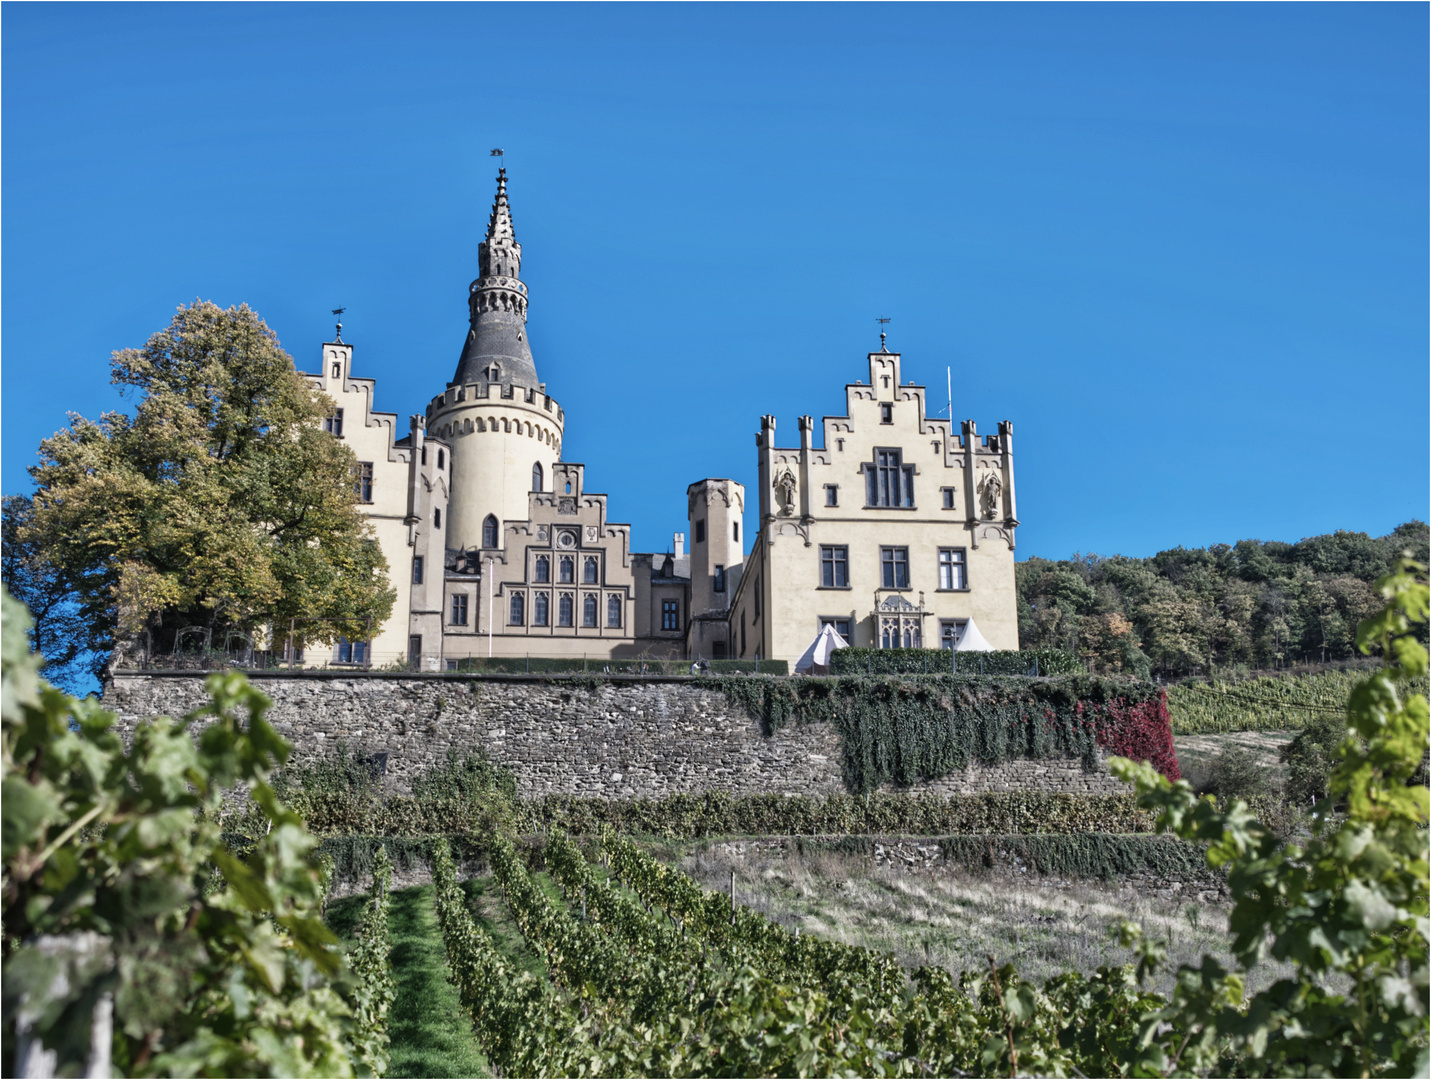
[504, 429]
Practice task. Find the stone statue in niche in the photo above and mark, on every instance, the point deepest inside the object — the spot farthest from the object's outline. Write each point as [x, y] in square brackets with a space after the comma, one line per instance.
[993, 492]
[785, 491]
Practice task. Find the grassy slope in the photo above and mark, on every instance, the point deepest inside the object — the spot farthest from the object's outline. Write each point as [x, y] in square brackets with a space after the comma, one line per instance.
[430, 1035]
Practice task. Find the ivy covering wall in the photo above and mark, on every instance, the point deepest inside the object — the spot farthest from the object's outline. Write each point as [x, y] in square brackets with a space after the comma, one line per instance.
[902, 731]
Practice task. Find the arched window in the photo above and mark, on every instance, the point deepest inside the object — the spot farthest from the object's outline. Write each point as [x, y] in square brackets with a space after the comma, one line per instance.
[568, 570]
[564, 610]
[518, 613]
[588, 610]
[543, 569]
[588, 572]
[540, 603]
[568, 487]
[613, 610]
[489, 531]
[537, 477]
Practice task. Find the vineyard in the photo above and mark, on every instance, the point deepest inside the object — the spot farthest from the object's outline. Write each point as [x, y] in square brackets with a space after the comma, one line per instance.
[1270, 703]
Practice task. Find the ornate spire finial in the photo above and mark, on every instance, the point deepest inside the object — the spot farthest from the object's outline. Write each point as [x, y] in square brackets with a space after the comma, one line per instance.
[882, 323]
[338, 338]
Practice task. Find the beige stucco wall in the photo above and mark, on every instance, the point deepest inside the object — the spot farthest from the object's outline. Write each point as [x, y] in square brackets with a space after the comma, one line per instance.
[495, 442]
[784, 566]
[371, 435]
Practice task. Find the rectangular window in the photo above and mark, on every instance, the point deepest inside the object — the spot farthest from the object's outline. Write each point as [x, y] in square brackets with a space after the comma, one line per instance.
[717, 650]
[333, 425]
[835, 567]
[842, 626]
[417, 569]
[742, 633]
[736, 534]
[757, 598]
[889, 482]
[719, 578]
[952, 569]
[886, 413]
[949, 631]
[437, 519]
[700, 532]
[946, 497]
[894, 567]
[670, 614]
[459, 609]
[414, 650]
[832, 494]
[352, 652]
[363, 483]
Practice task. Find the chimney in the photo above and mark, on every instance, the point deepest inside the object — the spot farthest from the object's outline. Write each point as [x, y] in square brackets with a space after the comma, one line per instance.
[680, 544]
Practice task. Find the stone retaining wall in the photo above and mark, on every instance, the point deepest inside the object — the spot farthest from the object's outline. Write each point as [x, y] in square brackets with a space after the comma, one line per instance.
[612, 738]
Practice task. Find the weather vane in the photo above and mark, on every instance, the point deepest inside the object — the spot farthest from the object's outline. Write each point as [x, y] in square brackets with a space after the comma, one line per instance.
[339, 311]
[882, 323]
[497, 153]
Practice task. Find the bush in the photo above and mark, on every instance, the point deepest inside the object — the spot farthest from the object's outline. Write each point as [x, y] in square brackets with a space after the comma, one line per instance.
[862, 661]
[1237, 774]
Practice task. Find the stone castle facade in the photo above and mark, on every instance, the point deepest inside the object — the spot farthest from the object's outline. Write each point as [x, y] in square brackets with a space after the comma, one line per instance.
[897, 532]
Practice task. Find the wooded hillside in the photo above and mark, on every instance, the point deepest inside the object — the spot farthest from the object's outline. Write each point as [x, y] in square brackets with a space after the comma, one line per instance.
[1258, 604]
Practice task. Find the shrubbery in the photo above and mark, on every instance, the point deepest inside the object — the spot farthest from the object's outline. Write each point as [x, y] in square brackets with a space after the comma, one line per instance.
[862, 661]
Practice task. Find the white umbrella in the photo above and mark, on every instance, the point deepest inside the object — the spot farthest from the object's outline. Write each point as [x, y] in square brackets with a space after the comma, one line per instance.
[816, 659]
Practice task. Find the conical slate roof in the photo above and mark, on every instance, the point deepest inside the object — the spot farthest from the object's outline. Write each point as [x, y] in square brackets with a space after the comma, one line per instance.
[496, 349]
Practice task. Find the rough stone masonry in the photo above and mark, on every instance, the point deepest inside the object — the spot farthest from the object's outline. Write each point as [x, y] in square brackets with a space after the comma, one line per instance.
[621, 739]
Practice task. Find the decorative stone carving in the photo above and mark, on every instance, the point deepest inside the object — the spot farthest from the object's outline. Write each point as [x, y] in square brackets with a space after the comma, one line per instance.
[992, 490]
[785, 492]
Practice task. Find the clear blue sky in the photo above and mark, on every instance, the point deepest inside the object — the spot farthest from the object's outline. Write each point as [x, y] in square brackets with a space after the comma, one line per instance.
[1182, 247]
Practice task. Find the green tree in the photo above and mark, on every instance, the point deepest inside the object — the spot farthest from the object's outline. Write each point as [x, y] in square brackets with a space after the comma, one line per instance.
[220, 503]
[61, 630]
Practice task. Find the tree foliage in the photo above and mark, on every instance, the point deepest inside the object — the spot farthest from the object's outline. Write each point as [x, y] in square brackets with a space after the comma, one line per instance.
[1191, 610]
[61, 631]
[117, 877]
[220, 503]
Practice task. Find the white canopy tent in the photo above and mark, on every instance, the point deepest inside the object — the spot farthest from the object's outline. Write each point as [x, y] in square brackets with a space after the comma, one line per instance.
[971, 640]
[816, 659]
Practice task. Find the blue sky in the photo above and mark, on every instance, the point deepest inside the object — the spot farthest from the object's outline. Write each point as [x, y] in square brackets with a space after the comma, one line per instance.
[1182, 247]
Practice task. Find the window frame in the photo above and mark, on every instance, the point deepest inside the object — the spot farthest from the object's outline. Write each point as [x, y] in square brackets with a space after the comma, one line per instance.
[491, 530]
[832, 494]
[719, 585]
[590, 612]
[333, 423]
[836, 559]
[892, 559]
[670, 615]
[615, 611]
[889, 480]
[457, 607]
[363, 481]
[417, 569]
[837, 621]
[958, 560]
[946, 498]
[517, 610]
[566, 610]
[542, 570]
[699, 532]
[590, 570]
[566, 570]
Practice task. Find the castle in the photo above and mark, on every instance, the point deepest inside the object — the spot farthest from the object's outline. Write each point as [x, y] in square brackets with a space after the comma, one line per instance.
[897, 532]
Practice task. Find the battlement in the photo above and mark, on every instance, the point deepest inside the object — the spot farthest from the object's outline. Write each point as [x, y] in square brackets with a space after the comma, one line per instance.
[508, 393]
